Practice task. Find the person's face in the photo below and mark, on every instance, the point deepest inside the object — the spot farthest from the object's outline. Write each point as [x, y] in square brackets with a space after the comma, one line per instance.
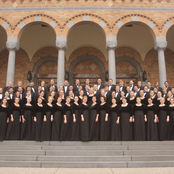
[39, 100]
[17, 94]
[113, 94]
[113, 101]
[32, 84]
[28, 100]
[77, 81]
[86, 87]
[103, 93]
[50, 100]
[42, 94]
[141, 93]
[124, 101]
[16, 100]
[148, 84]
[155, 90]
[19, 83]
[51, 88]
[81, 93]
[122, 93]
[42, 83]
[102, 100]
[110, 82]
[52, 82]
[150, 101]
[85, 99]
[6, 94]
[80, 88]
[76, 99]
[94, 99]
[131, 82]
[68, 100]
[71, 88]
[132, 94]
[166, 83]
[171, 100]
[139, 84]
[145, 88]
[138, 100]
[71, 93]
[151, 93]
[87, 81]
[61, 93]
[162, 101]
[95, 87]
[28, 89]
[9, 83]
[136, 88]
[39, 88]
[20, 89]
[121, 83]
[60, 87]
[128, 88]
[66, 83]
[11, 90]
[117, 88]
[53, 94]
[99, 81]
[59, 100]
[159, 94]
[157, 84]
[106, 88]
[4, 101]
[28, 94]
[164, 90]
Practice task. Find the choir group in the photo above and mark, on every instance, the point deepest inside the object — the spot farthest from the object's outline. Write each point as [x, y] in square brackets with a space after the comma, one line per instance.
[87, 113]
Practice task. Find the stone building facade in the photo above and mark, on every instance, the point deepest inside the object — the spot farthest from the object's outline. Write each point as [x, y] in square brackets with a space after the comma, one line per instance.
[118, 39]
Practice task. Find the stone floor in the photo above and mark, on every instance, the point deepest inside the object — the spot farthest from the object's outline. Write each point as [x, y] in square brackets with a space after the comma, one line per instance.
[10, 170]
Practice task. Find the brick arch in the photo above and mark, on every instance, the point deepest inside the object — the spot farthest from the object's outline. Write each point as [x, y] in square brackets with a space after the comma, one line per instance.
[137, 19]
[82, 18]
[166, 26]
[34, 20]
[6, 25]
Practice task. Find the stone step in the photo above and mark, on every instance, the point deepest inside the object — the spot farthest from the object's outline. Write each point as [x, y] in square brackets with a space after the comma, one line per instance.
[84, 152]
[148, 152]
[153, 158]
[119, 147]
[83, 158]
[20, 164]
[18, 157]
[150, 147]
[20, 147]
[22, 152]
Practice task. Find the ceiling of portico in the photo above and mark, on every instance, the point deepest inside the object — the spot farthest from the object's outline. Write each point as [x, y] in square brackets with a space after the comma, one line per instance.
[136, 37]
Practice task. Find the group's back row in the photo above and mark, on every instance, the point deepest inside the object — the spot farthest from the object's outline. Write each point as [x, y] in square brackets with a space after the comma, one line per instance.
[108, 90]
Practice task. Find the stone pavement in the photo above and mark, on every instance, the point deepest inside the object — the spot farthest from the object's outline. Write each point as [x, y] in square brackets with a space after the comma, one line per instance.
[11, 170]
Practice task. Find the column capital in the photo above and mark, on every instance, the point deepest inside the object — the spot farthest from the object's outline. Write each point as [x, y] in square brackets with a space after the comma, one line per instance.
[160, 43]
[61, 42]
[111, 42]
[12, 43]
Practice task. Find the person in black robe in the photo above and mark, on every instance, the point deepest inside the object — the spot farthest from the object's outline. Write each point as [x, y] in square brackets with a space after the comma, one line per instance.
[152, 119]
[1, 95]
[75, 136]
[4, 118]
[42, 96]
[27, 114]
[164, 124]
[91, 94]
[47, 121]
[139, 119]
[84, 123]
[93, 120]
[66, 128]
[114, 115]
[38, 118]
[143, 98]
[9, 101]
[104, 119]
[126, 120]
[57, 116]
[152, 96]
[171, 115]
[169, 96]
[62, 95]
[81, 97]
[13, 130]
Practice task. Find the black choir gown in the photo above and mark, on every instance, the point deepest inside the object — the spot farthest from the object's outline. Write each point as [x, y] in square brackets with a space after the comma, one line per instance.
[56, 125]
[66, 128]
[75, 136]
[39, 114]
[90, 100]
[104, 125]
[27, 112]
[171, 114]
[164, 126]
[152, 128]
[47, 126]
[114, 113]
[93, 125]
[126, 126]
[144, 101]
[139, 123]
[84, 125]
[4, 114]
[80, 100]
[13, 130]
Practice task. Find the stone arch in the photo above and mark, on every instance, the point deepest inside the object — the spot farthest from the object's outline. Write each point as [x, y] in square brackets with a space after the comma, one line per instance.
[86, 57]
[6, 25]
[90, 18]
[133, 62]
[39, 63]
[166, 26]
[137, 19]
[34, 19]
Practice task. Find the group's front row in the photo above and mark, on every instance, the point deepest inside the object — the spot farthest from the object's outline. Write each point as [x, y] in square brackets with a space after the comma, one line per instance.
[87, 122]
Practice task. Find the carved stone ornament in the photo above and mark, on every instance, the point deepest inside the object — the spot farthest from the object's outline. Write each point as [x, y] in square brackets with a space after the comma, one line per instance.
[12, 46]
[111, 44]
[161, 45]
[61, 45]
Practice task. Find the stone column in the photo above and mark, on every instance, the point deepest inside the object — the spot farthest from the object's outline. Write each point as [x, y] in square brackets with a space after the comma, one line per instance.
[12, 45]
[160, 46]
[111, 44]
[61, 44]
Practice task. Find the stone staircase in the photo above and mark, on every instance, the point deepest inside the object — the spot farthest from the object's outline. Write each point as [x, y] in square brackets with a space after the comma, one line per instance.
[87, 154]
